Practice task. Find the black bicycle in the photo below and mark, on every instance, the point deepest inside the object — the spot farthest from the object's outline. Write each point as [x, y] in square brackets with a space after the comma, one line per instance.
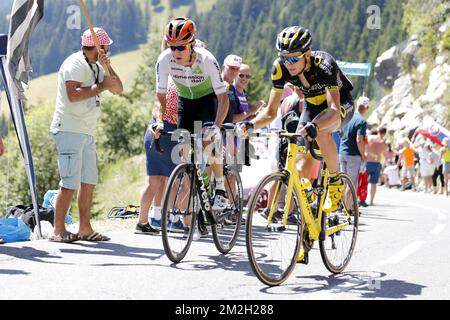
[187, 205]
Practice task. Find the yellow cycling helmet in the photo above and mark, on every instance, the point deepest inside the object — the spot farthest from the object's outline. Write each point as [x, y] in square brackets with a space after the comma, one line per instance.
[294, 39]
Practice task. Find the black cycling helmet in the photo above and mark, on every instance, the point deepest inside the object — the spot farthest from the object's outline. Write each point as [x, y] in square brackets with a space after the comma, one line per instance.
[294, 39]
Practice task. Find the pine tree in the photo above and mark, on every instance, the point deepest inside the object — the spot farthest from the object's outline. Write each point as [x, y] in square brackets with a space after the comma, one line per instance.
[258, 88]
[144, 85]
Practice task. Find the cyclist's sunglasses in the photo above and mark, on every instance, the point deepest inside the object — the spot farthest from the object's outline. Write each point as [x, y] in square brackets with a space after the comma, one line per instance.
[180, 48]
[242, 76]
[291, 60]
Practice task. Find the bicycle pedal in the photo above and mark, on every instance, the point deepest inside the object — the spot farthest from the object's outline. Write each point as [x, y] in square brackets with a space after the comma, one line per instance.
[305, 259]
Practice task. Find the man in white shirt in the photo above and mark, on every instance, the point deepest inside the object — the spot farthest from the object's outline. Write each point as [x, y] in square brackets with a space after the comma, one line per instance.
[81, 79]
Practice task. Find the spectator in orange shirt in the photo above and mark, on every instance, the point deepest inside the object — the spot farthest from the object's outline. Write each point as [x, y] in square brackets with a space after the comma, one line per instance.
[407, 155]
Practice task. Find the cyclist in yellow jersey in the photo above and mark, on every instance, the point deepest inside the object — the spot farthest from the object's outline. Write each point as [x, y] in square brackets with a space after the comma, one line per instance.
[328, 103]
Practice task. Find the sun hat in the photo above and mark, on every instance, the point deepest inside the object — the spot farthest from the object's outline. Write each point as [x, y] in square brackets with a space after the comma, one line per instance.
[88, 41]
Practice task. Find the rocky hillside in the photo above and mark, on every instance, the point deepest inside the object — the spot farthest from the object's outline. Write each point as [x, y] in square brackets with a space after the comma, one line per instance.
[416, 75]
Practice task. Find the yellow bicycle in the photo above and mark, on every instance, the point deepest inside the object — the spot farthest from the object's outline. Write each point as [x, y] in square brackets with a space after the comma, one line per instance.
[283, 232]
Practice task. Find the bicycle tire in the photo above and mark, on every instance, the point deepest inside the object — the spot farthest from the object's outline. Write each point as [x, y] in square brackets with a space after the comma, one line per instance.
[167, 235]
[253, 226]
[325, 250]
[226, 231]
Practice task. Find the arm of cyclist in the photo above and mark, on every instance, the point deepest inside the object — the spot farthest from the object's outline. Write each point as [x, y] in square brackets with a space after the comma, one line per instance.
[325, 121]
[254, 108]
[329, 119]
[162, 99]
[222, 110]
[156, 125]
[162, 83]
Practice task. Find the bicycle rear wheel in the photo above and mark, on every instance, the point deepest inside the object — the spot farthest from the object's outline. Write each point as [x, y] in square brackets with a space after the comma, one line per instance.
[273, 247]
[226, 231]
[337, 249]
[179, 213]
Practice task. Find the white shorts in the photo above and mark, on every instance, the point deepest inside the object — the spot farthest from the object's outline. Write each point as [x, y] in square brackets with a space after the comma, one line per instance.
[77, 159]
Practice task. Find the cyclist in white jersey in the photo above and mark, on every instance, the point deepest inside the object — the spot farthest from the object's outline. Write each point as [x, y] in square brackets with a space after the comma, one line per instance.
[202, 92]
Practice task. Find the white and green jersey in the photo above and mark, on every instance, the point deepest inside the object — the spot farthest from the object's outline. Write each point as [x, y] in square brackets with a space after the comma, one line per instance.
[195, 82]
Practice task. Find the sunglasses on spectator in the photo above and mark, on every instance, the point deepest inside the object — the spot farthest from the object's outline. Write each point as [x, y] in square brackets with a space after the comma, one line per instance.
[179, 48]
[242, 76]
[291, 60]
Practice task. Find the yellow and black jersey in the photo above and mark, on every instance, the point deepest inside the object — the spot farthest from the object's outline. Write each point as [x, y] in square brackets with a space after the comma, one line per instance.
[323, 74]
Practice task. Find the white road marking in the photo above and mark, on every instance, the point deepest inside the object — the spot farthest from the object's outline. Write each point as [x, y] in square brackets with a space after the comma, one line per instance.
[403, 254]
[395, 259]
[438, 229]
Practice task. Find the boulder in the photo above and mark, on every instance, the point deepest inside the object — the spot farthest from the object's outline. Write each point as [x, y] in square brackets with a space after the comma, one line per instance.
[438, 83]
[387, 67]
[402, 87]
[410, 54]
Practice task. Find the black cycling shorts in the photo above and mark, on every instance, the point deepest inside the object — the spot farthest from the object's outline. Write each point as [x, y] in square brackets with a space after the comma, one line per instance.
[203, 109]
[310, 111]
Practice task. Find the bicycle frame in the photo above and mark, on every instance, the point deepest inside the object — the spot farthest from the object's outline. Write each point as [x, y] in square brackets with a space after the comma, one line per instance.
[315, 226]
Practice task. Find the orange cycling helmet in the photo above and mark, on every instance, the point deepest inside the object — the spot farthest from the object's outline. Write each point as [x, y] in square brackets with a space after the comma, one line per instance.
[180, 31]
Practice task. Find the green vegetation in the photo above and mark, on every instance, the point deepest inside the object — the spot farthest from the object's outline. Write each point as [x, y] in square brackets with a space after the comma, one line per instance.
[338, 27]
[425, 26]
[423, 21]
[55, 37]
[244, 27]
[43, 89]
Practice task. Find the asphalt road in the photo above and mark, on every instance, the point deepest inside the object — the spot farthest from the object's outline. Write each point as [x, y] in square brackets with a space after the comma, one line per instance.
[401, 253]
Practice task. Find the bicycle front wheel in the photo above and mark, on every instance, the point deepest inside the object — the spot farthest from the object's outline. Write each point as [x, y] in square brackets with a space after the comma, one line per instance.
[226, 231]
[338, 247]
[179, 213]
[273, 246]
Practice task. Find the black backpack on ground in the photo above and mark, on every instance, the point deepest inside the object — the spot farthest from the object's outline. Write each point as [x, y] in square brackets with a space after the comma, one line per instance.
[26, 213]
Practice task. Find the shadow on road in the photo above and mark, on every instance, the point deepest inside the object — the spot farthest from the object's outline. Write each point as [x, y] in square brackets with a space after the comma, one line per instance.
[230, 262]
[13, 272]
[115, 250]
[31, 254]
[361, 284]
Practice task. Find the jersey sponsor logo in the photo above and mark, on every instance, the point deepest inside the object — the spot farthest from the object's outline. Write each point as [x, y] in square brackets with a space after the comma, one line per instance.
[197, 70]
[316, 87]
[204, 195]
[317, 60]
[277, 73]
[191, 79]
[176, 69]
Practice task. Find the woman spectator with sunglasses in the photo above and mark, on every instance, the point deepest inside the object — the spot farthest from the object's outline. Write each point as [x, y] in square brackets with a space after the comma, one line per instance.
[242, 110]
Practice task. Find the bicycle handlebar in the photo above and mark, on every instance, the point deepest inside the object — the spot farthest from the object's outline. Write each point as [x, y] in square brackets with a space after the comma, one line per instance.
[309, 145]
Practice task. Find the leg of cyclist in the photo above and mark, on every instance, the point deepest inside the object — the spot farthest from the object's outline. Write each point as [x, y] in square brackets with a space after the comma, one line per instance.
[340, 111]
[214, 154]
